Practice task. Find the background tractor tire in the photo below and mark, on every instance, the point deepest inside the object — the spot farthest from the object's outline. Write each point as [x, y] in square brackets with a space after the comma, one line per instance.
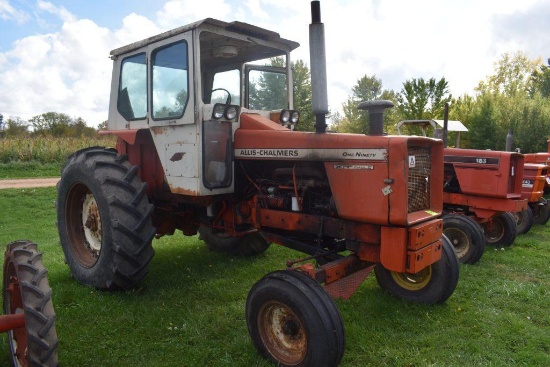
[293, 322]
[502, 230]
[434, 284]
[248, 245]
[104, 219]
[466, 236]
[26, 290]
[524, 220]
[541, 213]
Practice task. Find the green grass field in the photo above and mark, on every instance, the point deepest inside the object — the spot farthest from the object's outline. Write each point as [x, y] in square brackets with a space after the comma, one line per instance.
[189, 311]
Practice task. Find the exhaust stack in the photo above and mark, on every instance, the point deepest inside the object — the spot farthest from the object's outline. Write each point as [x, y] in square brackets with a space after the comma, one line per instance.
[318, 62]
[376, 114]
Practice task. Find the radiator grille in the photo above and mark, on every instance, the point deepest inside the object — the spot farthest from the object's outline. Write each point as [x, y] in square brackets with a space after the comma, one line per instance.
[419, 176]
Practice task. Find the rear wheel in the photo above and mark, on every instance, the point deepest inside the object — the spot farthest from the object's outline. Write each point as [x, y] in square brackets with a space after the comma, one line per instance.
[541, 213]
[293, 322]
[466, 237]
[26, 290]
[433, 284]
[524, 220]
[501, 230]
[104, 219]
[248, 245]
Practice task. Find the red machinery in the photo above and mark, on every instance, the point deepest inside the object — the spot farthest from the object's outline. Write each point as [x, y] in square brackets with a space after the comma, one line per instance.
[204, 146]
[29, 316]
[534, 180]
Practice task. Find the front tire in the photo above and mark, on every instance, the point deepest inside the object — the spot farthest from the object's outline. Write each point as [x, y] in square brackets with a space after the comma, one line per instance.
[247, 245]
[524, 220]
[104, 219]
[501, 230]
[293, 322]
[466, 236]
[433, 284]
[541, 213]
[26, 290]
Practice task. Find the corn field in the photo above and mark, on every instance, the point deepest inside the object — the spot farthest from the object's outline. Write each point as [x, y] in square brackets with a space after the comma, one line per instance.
[47, 149]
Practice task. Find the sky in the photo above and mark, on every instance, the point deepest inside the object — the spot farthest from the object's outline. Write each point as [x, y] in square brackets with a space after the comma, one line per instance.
[54, 55]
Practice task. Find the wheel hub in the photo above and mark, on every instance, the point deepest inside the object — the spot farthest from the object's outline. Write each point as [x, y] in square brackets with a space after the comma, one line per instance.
[92, 224]
[413, 282]
[282, 333]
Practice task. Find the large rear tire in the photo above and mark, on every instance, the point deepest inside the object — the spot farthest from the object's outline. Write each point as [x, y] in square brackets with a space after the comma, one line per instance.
[434, 284]
[293, 322]
[248, 245]
[104, 219]
[466, 236]
[501, 231]
[26, 290]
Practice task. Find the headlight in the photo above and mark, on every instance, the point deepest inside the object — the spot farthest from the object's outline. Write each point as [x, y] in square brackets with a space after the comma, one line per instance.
[217, 112]
[295, 117]
[285, 116]
[231, 112]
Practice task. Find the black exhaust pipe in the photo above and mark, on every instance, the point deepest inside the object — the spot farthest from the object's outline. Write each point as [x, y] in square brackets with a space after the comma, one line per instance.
[318, 63]
[376, 110]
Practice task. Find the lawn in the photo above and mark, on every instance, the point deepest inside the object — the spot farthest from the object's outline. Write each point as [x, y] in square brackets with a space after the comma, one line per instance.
[189, 311]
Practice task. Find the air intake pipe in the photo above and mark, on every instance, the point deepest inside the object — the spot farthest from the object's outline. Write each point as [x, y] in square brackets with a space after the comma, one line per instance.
[376, 114]
[318, 62]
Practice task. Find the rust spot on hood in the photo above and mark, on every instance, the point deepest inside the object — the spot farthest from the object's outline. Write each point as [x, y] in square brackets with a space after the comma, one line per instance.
[177, 156]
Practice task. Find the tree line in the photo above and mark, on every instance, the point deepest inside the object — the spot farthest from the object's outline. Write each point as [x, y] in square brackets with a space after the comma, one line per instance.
[516, 98]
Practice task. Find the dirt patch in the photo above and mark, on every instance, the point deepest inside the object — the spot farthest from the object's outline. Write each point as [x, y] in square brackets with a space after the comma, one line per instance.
[28, 183]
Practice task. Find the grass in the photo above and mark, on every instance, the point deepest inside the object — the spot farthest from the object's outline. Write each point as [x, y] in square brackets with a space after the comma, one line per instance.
[189, 311]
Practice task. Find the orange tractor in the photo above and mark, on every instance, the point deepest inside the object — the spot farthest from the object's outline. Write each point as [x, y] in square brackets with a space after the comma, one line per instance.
[482, 186]
[537, 212]
[206, 145]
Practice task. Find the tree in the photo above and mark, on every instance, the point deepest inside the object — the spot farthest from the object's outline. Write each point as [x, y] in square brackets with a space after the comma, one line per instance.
[367, 88]
[540, 81]
[302, 95]
[422, 100]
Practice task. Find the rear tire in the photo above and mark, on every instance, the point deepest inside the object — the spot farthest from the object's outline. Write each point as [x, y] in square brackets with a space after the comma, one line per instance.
[104, 219]
[524, 220]
[466, 237]
[26, 290]
[247, 245]
[434, 284]
[501, 231]
[293, 321]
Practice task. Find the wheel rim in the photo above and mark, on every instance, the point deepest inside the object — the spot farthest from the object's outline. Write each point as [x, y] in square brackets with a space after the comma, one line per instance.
[83, 225]
[459, 239]
[494, 231]
[413, 282]
[282, 333]
[13, 304]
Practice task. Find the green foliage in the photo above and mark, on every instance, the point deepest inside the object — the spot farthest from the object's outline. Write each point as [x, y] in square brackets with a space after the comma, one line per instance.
[302, 95]
[541, 81]
[60, 125]
[423, 100]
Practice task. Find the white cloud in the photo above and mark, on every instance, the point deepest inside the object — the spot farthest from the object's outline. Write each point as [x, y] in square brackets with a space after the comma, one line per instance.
[61, 12]
[8, 12]
[181, 12]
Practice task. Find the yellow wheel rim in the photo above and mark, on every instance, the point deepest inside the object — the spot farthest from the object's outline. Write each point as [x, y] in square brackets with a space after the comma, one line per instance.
[413, 282]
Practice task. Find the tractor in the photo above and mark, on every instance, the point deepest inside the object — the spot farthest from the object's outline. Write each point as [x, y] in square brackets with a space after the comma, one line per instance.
[206, 145]
[480, 185]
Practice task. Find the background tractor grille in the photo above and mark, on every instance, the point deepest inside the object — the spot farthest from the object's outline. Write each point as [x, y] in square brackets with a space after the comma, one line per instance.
[419, 178]
[512, 178]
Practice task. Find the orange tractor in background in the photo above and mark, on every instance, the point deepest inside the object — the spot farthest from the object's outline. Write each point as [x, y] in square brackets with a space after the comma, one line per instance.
[537, 212]
[204, 147]
[481, 188]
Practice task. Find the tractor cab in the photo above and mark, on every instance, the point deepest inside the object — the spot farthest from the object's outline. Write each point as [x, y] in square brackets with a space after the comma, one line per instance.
[189, 86]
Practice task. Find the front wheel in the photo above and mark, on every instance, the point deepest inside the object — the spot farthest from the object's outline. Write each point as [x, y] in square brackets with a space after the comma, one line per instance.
[293, 322]
[26, 290]
[524, 220]
[104, 219]
[466, 236]
[501, 230]
[433, 284]
[541, 213]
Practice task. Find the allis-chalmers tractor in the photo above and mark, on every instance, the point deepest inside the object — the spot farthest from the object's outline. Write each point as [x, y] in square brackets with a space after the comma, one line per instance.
[482, 185]
[204, 148]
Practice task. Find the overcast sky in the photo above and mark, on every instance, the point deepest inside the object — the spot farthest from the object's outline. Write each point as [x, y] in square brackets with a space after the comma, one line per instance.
[54, 55]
